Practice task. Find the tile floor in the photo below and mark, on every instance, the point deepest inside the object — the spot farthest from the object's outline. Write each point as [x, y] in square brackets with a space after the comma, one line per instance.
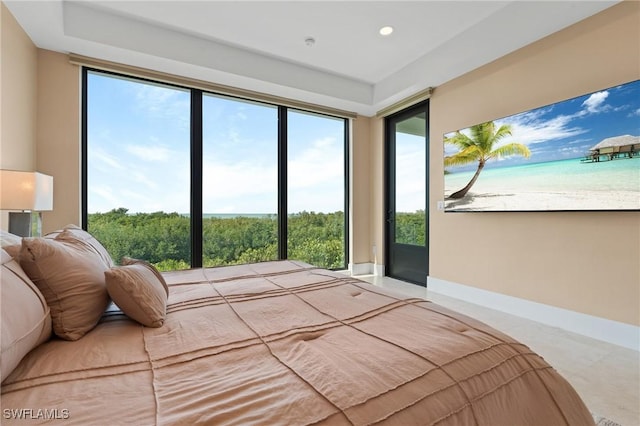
[606, 376]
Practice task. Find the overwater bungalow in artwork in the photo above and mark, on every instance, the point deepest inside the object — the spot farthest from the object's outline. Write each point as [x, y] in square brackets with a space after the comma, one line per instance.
[625, 146]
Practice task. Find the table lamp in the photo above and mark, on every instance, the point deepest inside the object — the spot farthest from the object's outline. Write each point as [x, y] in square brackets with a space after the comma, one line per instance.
[29, 192]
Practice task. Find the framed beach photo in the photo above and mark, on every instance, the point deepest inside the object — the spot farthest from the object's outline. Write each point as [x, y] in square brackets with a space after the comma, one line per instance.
[575, 155]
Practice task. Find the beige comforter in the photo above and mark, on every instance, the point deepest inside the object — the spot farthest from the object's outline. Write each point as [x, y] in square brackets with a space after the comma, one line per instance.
[283, 343]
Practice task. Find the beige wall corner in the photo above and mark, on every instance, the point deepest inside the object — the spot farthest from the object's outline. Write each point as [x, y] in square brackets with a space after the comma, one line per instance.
[18, 98]
[582, 261]
[377, 207]
[58, 136]
[18, 77]
[360, 190]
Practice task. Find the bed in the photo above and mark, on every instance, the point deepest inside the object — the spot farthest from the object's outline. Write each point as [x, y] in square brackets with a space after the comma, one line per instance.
[273, 343]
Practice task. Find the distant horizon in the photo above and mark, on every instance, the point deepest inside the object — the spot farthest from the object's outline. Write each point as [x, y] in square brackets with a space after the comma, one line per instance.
[499, 165]
[220, 215]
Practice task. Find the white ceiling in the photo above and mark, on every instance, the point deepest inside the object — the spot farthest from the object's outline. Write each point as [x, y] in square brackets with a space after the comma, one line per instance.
[260, 45]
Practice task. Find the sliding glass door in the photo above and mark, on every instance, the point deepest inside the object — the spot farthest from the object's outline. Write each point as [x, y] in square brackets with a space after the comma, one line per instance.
[407, 196]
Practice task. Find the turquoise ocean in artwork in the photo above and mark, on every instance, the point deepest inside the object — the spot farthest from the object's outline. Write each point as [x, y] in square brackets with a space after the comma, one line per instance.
[572, 175]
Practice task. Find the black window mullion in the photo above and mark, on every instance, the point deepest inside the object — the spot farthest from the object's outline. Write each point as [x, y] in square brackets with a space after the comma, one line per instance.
[84, 161]
[196, 240]
[282, 183]
[347, 181]
[196, 178]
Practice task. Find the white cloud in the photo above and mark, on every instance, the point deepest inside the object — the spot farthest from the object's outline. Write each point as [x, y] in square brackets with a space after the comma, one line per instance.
[410, 173]
[141, 178]
[316, 200]
[595, 102]
[528, 129]
[531, 127]
[250, 186]
[148, 171]
[139, 188]
[150, 153]
[157, 99]
[316, 165]
[102, 198]
[102, 160]
[227, 181]
[163, 102]
[324, 143]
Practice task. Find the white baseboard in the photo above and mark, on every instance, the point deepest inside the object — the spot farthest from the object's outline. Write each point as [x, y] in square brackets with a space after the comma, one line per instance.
[378, 270]
[366, 269]
[614, 332]
[361, 268]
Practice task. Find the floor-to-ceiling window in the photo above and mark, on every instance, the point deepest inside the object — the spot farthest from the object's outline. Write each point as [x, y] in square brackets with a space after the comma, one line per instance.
[182, 177]
[239, 181]
[316, 188]
[137, 158]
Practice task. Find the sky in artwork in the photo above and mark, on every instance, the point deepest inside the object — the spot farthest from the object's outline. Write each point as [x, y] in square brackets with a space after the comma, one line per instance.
[139, 152]
[568, 129]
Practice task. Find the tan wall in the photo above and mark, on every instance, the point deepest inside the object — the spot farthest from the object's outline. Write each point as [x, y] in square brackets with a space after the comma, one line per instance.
[19, 96]
[360, 190]
[58, 138]
[40, 119]
[367, 196]
[18, 75]
[377, 208]
[583, 261]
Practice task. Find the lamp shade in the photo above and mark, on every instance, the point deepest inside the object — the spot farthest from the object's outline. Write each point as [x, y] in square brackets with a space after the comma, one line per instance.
[25, 191]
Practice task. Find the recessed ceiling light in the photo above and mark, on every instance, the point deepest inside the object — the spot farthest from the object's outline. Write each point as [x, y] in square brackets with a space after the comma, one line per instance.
[385, 31]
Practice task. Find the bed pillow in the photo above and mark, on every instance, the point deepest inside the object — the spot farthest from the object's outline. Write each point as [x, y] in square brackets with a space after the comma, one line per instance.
[131, 261]
[70, 274]
[24, 313]
[140, 291]
[73, 232]
[10, 243]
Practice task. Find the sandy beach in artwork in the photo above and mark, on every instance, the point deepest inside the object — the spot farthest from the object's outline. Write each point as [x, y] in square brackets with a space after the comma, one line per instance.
[562, 185]
[532, 201]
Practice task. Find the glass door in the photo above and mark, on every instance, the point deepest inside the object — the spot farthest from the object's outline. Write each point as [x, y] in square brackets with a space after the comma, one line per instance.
[407, 256]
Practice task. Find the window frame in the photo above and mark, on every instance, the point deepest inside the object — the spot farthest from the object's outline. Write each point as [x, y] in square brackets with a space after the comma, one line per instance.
[196, 162]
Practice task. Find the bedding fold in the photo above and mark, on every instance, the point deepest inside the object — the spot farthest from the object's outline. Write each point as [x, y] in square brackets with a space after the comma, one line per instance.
[284, 343]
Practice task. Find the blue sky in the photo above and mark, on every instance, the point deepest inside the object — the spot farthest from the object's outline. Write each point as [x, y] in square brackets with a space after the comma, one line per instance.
[569, 128]
[139, 148]
[411, 160]
[139, 153]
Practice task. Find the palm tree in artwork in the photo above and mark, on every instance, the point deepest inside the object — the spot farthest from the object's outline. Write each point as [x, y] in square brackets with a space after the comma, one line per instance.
[479, 146]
